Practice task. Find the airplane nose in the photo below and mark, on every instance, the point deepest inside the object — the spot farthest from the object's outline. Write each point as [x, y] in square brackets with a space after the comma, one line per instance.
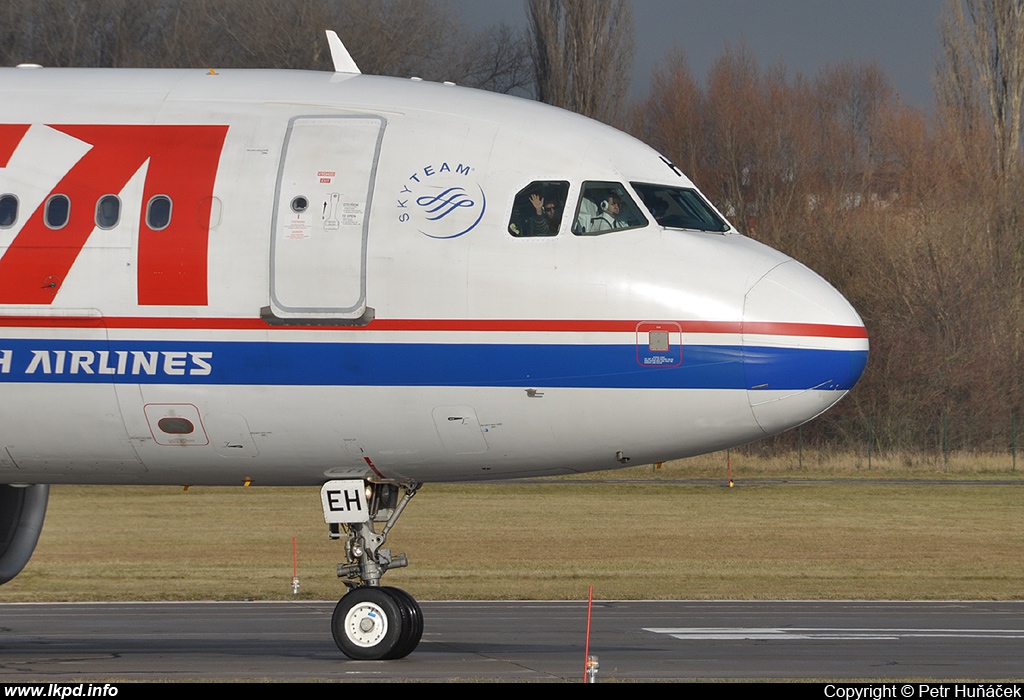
[804, 347]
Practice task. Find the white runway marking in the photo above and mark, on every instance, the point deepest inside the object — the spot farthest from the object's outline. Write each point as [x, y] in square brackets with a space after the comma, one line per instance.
[798, 633]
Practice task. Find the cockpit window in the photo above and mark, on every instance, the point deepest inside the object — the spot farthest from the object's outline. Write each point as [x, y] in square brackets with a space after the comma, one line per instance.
[537, 209]
[605, 207]
[675, 207]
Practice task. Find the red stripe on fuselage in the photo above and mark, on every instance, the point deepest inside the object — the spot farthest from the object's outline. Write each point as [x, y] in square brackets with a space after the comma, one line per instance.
[817, 330]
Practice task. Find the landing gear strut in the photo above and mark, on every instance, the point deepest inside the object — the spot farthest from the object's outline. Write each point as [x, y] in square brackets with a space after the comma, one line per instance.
[371, 622]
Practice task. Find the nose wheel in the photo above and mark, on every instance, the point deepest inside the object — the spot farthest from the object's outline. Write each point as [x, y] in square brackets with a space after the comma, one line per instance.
[374, 623]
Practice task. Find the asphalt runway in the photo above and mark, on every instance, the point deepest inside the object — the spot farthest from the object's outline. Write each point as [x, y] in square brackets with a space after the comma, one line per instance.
[520, 641]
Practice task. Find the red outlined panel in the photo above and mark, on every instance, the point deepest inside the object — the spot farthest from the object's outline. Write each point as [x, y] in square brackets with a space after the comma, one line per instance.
[659, 344]
[173, 262]
[176, 424]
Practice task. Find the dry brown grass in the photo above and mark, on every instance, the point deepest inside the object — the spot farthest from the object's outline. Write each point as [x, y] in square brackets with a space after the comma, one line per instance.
[768, 539]
[816, 464]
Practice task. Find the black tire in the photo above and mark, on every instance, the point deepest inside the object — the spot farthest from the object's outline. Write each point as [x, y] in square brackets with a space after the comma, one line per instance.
[369, 623]
[410, 640]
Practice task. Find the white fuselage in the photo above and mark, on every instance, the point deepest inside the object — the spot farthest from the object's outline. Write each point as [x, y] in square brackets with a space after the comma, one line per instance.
[337, 292]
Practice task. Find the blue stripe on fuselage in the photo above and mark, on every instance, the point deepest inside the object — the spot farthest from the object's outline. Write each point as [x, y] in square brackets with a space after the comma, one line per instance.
[421, 364]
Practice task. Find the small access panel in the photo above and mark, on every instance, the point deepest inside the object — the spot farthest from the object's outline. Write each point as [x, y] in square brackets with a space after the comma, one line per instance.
[659, 344]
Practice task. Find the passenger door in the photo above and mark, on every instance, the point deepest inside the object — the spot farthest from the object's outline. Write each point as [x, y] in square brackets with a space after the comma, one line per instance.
[321, 216]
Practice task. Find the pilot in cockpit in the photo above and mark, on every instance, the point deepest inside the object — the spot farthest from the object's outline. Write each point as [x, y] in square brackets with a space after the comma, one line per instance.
[605, 216]
[544, 222]
[537, 210]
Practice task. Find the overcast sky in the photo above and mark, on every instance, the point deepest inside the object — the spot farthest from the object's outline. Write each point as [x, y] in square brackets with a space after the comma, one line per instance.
[805, 35]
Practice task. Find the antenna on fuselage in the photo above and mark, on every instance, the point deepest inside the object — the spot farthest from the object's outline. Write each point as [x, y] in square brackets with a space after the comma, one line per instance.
[342, 59]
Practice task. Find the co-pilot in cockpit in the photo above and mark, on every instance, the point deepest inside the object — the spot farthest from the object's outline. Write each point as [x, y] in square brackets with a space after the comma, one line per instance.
[604, 207]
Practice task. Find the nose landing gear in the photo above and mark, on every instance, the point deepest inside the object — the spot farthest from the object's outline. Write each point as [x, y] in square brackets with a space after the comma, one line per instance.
[372, 622]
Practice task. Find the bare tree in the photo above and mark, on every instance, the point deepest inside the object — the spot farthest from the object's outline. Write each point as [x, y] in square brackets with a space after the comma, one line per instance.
[850, 102]
[386, 37]
[497, 59]
[583, 54]
[669, 119]
[980, 81]
[733, 121]
[980, 91]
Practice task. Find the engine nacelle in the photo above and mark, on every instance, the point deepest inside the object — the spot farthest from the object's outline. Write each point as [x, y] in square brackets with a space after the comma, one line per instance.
[22, 510]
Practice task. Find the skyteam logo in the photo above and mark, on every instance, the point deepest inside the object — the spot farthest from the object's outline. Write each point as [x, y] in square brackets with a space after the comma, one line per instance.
[442, 201]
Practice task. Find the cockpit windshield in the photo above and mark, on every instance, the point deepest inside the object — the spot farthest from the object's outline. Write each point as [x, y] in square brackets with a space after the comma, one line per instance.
[674, 207]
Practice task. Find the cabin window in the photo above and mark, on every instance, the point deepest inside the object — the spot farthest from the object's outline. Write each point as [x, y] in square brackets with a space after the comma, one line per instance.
[300, 204]
[537, 209]
[8, 210]
[57, 211]
[605, 207]
[108, 211]
[210, 211]
[678, 207]
[158, 212]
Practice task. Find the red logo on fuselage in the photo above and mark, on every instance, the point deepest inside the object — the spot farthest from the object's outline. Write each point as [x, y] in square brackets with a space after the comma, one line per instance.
[172, 262]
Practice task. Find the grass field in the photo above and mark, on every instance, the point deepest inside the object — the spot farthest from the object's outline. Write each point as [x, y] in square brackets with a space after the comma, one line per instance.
[654, 537]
